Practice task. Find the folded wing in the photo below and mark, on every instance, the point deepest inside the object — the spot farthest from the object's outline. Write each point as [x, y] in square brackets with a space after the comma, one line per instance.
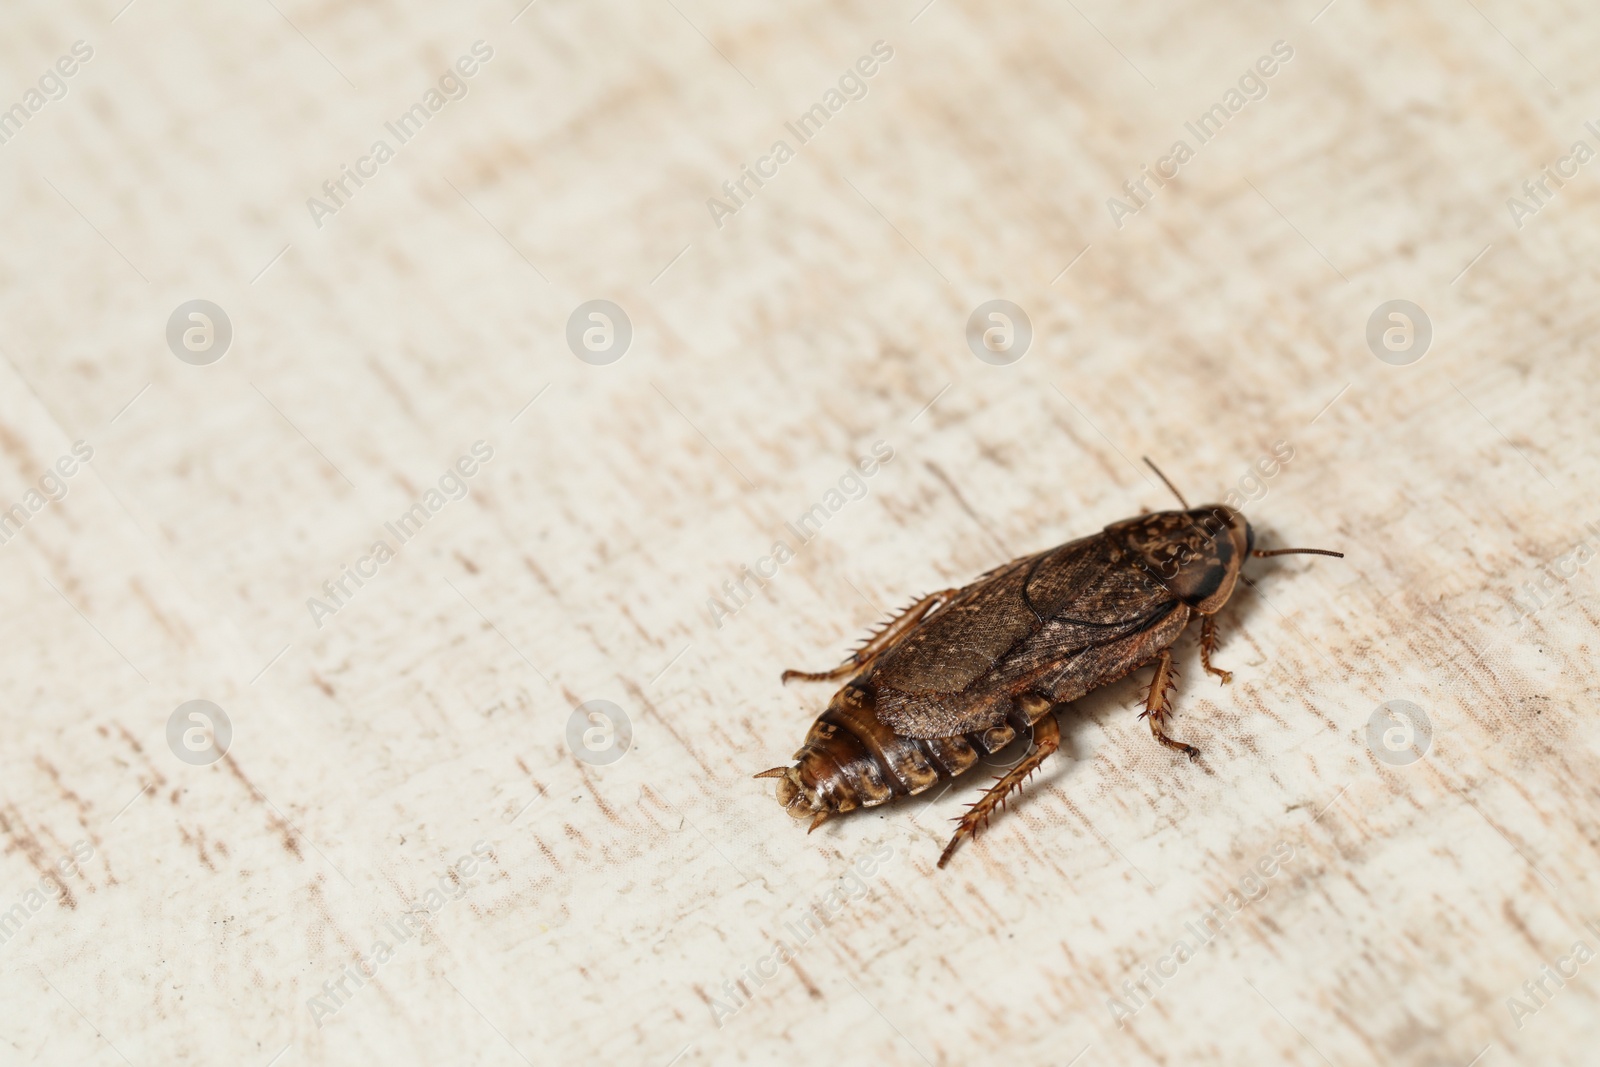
[1017, 629]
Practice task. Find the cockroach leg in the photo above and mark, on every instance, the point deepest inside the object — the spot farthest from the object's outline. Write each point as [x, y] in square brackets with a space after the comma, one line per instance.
[1208, 644]
[1046, 739]
[878, 643]
[1158, 703]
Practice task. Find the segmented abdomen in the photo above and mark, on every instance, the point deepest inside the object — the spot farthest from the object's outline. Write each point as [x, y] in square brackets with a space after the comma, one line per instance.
[853, 760]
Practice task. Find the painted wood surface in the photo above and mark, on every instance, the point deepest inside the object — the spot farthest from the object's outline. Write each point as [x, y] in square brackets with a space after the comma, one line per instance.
[411, 852]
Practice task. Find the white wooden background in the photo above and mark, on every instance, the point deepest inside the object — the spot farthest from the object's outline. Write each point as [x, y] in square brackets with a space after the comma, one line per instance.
[623, 902]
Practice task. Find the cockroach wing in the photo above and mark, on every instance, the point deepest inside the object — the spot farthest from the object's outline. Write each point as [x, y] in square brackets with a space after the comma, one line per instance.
[952, 674]
[954, 646]
[1066, 660]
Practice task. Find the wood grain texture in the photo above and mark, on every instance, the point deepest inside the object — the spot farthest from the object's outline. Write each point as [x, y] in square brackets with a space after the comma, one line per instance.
[622, 904]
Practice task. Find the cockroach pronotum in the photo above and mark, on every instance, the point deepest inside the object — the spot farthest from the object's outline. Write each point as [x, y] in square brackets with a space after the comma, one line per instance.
[960, 673]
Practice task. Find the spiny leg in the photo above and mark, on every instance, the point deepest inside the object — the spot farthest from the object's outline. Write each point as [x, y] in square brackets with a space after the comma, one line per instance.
[1046, 739]
[1158, 703]
[1208, 645]
[879, 642]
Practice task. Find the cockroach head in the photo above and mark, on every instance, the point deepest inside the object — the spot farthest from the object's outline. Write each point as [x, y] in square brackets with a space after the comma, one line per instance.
[1196, 553]
[1238, 526]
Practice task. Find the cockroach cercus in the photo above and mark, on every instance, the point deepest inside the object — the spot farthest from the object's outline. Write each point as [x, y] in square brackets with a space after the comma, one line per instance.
[962, 672]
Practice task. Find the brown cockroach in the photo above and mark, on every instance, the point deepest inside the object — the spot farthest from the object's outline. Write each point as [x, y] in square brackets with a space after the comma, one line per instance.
[962, 672]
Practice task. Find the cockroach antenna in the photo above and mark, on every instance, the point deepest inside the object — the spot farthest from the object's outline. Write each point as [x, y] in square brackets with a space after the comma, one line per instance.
[1264, 553]
[1167, 483]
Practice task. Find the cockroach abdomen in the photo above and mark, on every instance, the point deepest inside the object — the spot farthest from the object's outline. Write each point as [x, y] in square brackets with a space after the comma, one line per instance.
[952, 755]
